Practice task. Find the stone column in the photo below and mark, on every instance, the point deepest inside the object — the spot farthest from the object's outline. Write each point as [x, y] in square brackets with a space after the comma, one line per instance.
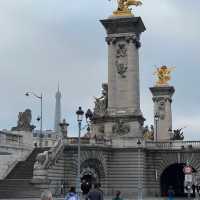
[133, 76]
[123, 35]
[111, 79]
[162, 98]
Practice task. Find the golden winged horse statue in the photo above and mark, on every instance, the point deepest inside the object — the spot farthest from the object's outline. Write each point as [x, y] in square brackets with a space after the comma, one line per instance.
[123, 7]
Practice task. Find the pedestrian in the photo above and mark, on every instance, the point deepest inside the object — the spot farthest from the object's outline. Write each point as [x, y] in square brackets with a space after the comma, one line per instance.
[170, 193]
[62, 188]
[117, 197]
[71, 195]
[99, 187]
[46, 195]
[95, 193]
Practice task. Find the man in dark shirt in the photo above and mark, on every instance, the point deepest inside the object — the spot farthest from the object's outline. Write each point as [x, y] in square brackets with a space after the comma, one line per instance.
[95, 194]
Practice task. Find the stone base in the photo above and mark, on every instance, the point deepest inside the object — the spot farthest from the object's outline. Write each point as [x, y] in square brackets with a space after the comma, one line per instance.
[123, 126]
[40, 174]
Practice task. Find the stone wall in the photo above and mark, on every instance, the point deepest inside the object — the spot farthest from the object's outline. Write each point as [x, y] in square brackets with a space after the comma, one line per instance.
[15, 146]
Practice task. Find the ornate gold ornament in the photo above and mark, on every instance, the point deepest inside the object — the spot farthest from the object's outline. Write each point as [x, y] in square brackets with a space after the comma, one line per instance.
[163, 75]
[123, 7]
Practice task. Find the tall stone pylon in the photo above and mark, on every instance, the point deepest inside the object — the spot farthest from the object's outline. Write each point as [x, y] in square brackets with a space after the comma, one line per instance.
[123, 116]
[162, 97]
[57, 119]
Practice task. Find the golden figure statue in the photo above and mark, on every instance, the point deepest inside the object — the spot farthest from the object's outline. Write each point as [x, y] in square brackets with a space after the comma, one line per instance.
[123, 7]
[163, 74]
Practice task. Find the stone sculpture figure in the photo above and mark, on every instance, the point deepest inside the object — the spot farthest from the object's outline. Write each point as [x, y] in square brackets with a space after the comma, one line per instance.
[101, 103]
[24, 121]
[63, 127]
[178, 134]
[41, 160]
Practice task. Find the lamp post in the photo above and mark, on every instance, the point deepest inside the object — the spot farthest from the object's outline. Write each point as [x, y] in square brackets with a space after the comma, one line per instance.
[79, 114]
[139, 174]
[156, 118]
[41, 102]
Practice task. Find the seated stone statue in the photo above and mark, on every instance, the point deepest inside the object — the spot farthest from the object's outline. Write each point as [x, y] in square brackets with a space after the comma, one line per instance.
[148, 134]
[24, 121]
[178, 134]
[101, 103]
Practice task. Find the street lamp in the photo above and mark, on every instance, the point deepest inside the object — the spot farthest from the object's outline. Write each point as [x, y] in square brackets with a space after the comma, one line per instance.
[79, 114]
[156, 118]
[139, 174]
[41, 99]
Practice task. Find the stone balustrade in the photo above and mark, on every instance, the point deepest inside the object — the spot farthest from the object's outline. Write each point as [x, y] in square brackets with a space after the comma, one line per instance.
[173, 145]
[123, 142]
[87, 141]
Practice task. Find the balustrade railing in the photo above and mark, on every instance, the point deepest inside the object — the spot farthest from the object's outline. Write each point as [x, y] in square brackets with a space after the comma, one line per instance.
[147, 144]
[173, 144]
[88, 141]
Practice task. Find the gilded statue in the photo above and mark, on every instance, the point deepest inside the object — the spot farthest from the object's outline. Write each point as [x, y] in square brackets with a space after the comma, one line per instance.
[163, 75]
[123, 7]
[148, 134]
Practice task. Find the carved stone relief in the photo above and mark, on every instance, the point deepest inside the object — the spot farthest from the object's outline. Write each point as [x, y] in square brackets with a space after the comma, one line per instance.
[121, 59]
[120, 128]
[161, 109]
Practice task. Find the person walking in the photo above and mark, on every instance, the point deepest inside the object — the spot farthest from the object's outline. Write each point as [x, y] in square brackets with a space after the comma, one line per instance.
[95, 193]
[117, 197]
[170, 193]
[71, 195]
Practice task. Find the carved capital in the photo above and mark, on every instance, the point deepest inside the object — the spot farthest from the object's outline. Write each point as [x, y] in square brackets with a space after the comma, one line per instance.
[134, 39]
[111, 40]
[158, 99]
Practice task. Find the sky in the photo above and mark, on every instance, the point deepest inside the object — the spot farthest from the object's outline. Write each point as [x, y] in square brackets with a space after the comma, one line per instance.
[50, 41]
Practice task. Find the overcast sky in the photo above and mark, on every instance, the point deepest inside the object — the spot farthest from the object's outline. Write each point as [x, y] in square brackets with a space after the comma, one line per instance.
[43, 42]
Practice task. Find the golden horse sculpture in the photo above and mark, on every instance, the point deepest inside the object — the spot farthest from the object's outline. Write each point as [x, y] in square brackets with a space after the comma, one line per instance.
[163, 75]
[123, 7]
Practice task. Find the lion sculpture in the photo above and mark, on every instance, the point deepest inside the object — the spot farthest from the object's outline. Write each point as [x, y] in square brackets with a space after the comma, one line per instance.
[41, 160]
[24, 121]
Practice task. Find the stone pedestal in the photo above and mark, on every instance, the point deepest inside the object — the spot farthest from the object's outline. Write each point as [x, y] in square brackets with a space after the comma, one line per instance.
[162, 98]
[123, 117]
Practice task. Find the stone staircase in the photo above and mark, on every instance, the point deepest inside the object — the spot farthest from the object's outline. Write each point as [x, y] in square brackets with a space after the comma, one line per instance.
[17, 184]
[123, 171]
